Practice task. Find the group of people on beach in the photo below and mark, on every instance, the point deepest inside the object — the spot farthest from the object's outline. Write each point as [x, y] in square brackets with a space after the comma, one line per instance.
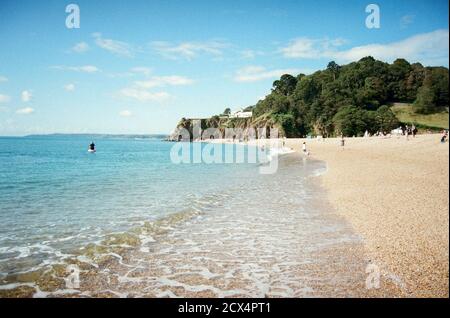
[409, 130]
[404, 130]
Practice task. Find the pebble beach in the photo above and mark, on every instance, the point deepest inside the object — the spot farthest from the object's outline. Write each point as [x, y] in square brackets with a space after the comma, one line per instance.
[394, 192]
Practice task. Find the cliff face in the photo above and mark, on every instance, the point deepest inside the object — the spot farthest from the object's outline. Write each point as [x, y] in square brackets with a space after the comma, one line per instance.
[240, 124]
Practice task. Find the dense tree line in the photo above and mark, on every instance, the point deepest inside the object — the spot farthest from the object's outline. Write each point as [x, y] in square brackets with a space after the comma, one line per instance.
[351, 99]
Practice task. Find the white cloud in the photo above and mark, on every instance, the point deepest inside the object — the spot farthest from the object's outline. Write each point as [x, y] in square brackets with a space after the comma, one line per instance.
[3, 79]
[26, 96]
[250, 54]
[140, 89]
[84, 68]
[311, 48]
[120, 75]
[258, 73]
[189, 50]
[69, 87]
[428, 48]
[4, 98]
[80, 47]
[117, 47]
[406, 20]
[132, 72]
[125, 113]
[87, 69]
[158, 81]
[25, 111]
[141, 70]
[143, 95]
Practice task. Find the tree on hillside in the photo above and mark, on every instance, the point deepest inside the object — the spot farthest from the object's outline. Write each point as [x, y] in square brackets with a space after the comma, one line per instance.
[300, 76]
[372, 94]
[439, 79]
[227, 111]
[424, 103]
[414, 81]
[385, 119]
[287, 122]
[285, 85]
[307, 90]
[334, 68]
[351, 121]
[398, 74]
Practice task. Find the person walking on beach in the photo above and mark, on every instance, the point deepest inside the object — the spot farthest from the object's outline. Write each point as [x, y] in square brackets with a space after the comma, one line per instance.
[444, 136]
[342, 141]
[414, 131]
[304, 149]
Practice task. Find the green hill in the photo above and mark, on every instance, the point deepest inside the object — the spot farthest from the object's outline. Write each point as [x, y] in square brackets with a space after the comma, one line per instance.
[351, 99]
[405, 114]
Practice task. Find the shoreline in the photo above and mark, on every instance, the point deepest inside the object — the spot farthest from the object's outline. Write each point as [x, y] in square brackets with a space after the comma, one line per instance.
[381, 202]
[286, 243]
[394, 194]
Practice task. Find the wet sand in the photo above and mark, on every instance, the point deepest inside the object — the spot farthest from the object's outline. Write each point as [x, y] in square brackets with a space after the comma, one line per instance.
[288, 244]
[394, 192]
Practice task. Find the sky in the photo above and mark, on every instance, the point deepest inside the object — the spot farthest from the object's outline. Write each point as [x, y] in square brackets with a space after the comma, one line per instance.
[139, 66]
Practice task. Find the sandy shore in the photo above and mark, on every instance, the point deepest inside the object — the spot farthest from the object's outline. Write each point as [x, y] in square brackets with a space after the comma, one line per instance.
[394, 192]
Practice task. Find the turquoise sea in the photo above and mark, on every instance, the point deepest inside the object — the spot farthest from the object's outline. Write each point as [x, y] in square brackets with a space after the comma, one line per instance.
[128, 208]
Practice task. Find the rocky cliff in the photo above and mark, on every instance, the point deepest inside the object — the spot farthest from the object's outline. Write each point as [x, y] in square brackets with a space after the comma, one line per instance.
[243, 124]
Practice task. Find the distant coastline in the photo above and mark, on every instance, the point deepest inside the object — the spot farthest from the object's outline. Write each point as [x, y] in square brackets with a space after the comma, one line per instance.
[99, 135]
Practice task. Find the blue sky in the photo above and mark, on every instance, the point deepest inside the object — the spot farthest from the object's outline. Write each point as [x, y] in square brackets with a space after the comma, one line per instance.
[139, 66]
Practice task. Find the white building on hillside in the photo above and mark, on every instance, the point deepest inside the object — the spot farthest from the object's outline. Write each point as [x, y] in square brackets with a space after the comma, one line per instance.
[241, 114]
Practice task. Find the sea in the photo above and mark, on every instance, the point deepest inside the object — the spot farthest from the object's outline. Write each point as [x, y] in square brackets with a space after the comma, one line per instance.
[128, 221]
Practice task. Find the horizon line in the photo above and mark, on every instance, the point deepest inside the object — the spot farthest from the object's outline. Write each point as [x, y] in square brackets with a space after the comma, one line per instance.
[75, 133]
